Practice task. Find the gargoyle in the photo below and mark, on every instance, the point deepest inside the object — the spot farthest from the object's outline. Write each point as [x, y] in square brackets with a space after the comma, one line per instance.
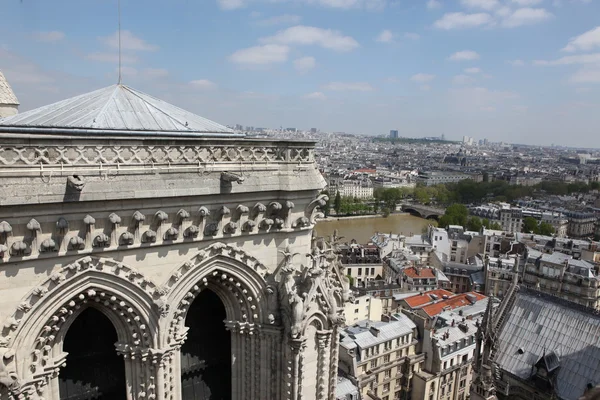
[231, 177]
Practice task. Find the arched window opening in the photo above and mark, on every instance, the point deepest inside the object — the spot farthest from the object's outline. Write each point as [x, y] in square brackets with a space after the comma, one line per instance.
[206, 353]
[93, 368]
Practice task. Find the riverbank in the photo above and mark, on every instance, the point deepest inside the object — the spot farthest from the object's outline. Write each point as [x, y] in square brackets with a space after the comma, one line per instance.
[349, 217]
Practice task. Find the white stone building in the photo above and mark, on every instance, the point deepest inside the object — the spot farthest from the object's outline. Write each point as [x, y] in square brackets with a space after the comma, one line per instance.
[149, 253]
[359, 189]
[9, 105]
[365, 307]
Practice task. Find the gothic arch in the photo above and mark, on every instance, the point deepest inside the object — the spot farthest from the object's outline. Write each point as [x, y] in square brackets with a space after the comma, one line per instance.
[37, 328]
[234, 275]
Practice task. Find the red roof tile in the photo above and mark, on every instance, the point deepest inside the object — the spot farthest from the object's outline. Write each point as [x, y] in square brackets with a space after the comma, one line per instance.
[454, 302]
[412, 272]
[425, 298]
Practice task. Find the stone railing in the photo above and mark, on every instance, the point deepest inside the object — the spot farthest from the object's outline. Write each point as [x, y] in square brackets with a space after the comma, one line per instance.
[142, 153]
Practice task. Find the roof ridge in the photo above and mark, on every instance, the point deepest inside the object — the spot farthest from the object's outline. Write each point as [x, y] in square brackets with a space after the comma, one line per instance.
[105, 106]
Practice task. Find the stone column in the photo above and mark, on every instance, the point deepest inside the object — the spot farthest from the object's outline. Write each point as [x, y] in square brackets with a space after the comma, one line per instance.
[323, 344]
[333, 366]
[297, 347]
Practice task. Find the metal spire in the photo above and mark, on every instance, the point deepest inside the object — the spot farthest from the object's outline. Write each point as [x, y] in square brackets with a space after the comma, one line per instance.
[119, 30]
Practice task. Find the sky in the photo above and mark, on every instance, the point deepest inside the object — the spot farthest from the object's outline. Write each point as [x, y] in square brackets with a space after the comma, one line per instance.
[519, 71]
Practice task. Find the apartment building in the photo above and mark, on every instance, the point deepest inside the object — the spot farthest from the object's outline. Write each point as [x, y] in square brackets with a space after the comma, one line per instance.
[382, 357]
[562, 276]
[361, 263]
[581, 224]
[360, 189]
[365, 307]
[499, 274]
[511, 219]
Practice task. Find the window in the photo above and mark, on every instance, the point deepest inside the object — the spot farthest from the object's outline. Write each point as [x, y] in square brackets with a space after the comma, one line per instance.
[372, 271]
[373, 363]
[386, 388]
[388, 374]
[356, 311]
[386, 358]
[359, 271]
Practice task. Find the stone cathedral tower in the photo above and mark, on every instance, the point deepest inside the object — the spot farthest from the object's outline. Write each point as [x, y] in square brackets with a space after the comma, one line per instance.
[149, 253]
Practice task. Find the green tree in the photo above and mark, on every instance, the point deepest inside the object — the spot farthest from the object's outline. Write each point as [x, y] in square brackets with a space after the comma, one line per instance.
[545, 229]
[421, 195]
[530, 225]
[337, 203]
[474, 224]
[485, 222]
[495, 226]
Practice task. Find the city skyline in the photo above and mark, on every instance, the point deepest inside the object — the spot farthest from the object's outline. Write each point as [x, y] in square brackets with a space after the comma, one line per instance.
[519, 71]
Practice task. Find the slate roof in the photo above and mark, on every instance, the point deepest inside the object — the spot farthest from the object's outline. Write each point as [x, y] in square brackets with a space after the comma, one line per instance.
[540, 325]
[7, 96]
[362, 336]
[117, 107]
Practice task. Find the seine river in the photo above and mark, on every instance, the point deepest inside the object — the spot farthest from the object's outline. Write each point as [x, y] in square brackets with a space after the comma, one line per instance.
[362, 229]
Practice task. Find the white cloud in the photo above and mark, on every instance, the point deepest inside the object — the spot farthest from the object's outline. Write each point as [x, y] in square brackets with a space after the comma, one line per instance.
[526, 16]
[483, 4]
[346, 4]
[584, 42]
[593, 58]
[472, 70]
[465, 55]
[203, 84]
[261, 55]
[461, 20]
[285, 19]
[128, 42]
[309, 35]
[353, 86]
[154, 73]
[112, 57]
[527, 3]
[304, 64]
[425, 88]
[433, 4]
[422, 78]
[462, 79]
[386, 36]
[586, 76]
[315, 96]
[503, 12]
[231, 4]
[49, 37]
[516, 63]
[412, 35]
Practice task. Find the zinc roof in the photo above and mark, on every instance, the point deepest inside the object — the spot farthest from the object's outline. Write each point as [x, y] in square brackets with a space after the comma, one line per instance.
[116, 107]
[7, 96]
[538, 325]
[362, 335]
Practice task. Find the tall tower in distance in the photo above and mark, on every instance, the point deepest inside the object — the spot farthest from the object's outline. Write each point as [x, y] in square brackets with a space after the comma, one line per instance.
[393, 134]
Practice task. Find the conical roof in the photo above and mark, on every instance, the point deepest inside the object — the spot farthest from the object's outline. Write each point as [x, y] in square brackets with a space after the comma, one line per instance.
[7, 96]
[116, 108]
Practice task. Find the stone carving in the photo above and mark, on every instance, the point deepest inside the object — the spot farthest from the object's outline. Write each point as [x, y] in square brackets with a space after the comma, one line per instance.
[33, 225]
[259, 208]
[138, 217]
[8, 373]
[62, 226]
[231, 177]
[59, 155]
[278, 223]
[230, 228]
[149, 236]
[89, 220]
[3, 250]
[223, 211]
[5, 228]
[211, 229]
[18, 248]
[182, 215]
[248, 226]
[301, 222]
[191, 232]
[160, 217]
[76, 182]
[76, 243]
[127, 239]
[203, 212]
[114, 219]
[101, 240]
[171, 233]
[241, 210]
[313, 207]
[48, 245]
[266, 223]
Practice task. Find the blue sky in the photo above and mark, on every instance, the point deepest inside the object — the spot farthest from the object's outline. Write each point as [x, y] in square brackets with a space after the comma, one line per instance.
[524, 71]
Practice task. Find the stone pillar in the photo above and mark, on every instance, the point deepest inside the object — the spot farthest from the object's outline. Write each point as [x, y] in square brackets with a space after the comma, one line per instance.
[333, 366]
[323, 347]
[297, 347]
[142, 366]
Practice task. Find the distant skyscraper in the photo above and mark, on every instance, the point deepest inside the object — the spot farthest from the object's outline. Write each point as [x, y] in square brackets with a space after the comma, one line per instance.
[393, 134]
[313, 130]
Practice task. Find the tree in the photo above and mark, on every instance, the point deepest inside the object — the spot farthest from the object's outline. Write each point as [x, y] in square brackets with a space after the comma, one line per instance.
[474, 224]
[530, 225]
[327, 208]
[545, 229]
[495, 226]
[337, 203]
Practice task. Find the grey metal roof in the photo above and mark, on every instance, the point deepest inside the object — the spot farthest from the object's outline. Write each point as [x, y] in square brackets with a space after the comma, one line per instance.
[361, 335]
[116, 107]
[539, 325]
[7, 96]
[344, 388]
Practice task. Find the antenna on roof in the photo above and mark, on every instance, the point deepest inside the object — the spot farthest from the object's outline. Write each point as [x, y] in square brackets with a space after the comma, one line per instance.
[119, 11]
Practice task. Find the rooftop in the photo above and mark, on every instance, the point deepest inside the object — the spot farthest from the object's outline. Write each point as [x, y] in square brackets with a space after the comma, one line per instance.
[537, 325]
[366, 333]
[413, 272]
[459, 300]
[426, 298]
[114, 108]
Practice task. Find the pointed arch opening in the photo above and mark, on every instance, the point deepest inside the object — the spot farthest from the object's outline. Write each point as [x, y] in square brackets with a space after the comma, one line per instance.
[206, 353]
[93, 368]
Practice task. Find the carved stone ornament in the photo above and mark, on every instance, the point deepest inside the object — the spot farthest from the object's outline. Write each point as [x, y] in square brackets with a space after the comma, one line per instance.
[33, 225]
[5, 228]
[138, 217]
[192, 231]
[18, 248]
[62, 225]
[182, 215]
[203, 212]
[172, 233]
[48, 245]
[301, 222]
[8, 373]
[230, 228]
[231, 177]
[101, 240]
[89, 220]
[114, 219]
[161, 216]
[127, 239]
[149, 236]
[76, 243]
[266, 223]
[76, 182]
[313, 207]
[248, 226]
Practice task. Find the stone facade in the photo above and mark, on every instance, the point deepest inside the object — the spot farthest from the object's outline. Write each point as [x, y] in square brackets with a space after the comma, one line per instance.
[136, 226]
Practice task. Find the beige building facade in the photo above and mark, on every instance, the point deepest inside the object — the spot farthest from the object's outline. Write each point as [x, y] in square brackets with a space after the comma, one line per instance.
[148, 253]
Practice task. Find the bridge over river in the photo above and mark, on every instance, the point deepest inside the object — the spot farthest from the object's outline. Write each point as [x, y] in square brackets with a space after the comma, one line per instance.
[423, 211]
